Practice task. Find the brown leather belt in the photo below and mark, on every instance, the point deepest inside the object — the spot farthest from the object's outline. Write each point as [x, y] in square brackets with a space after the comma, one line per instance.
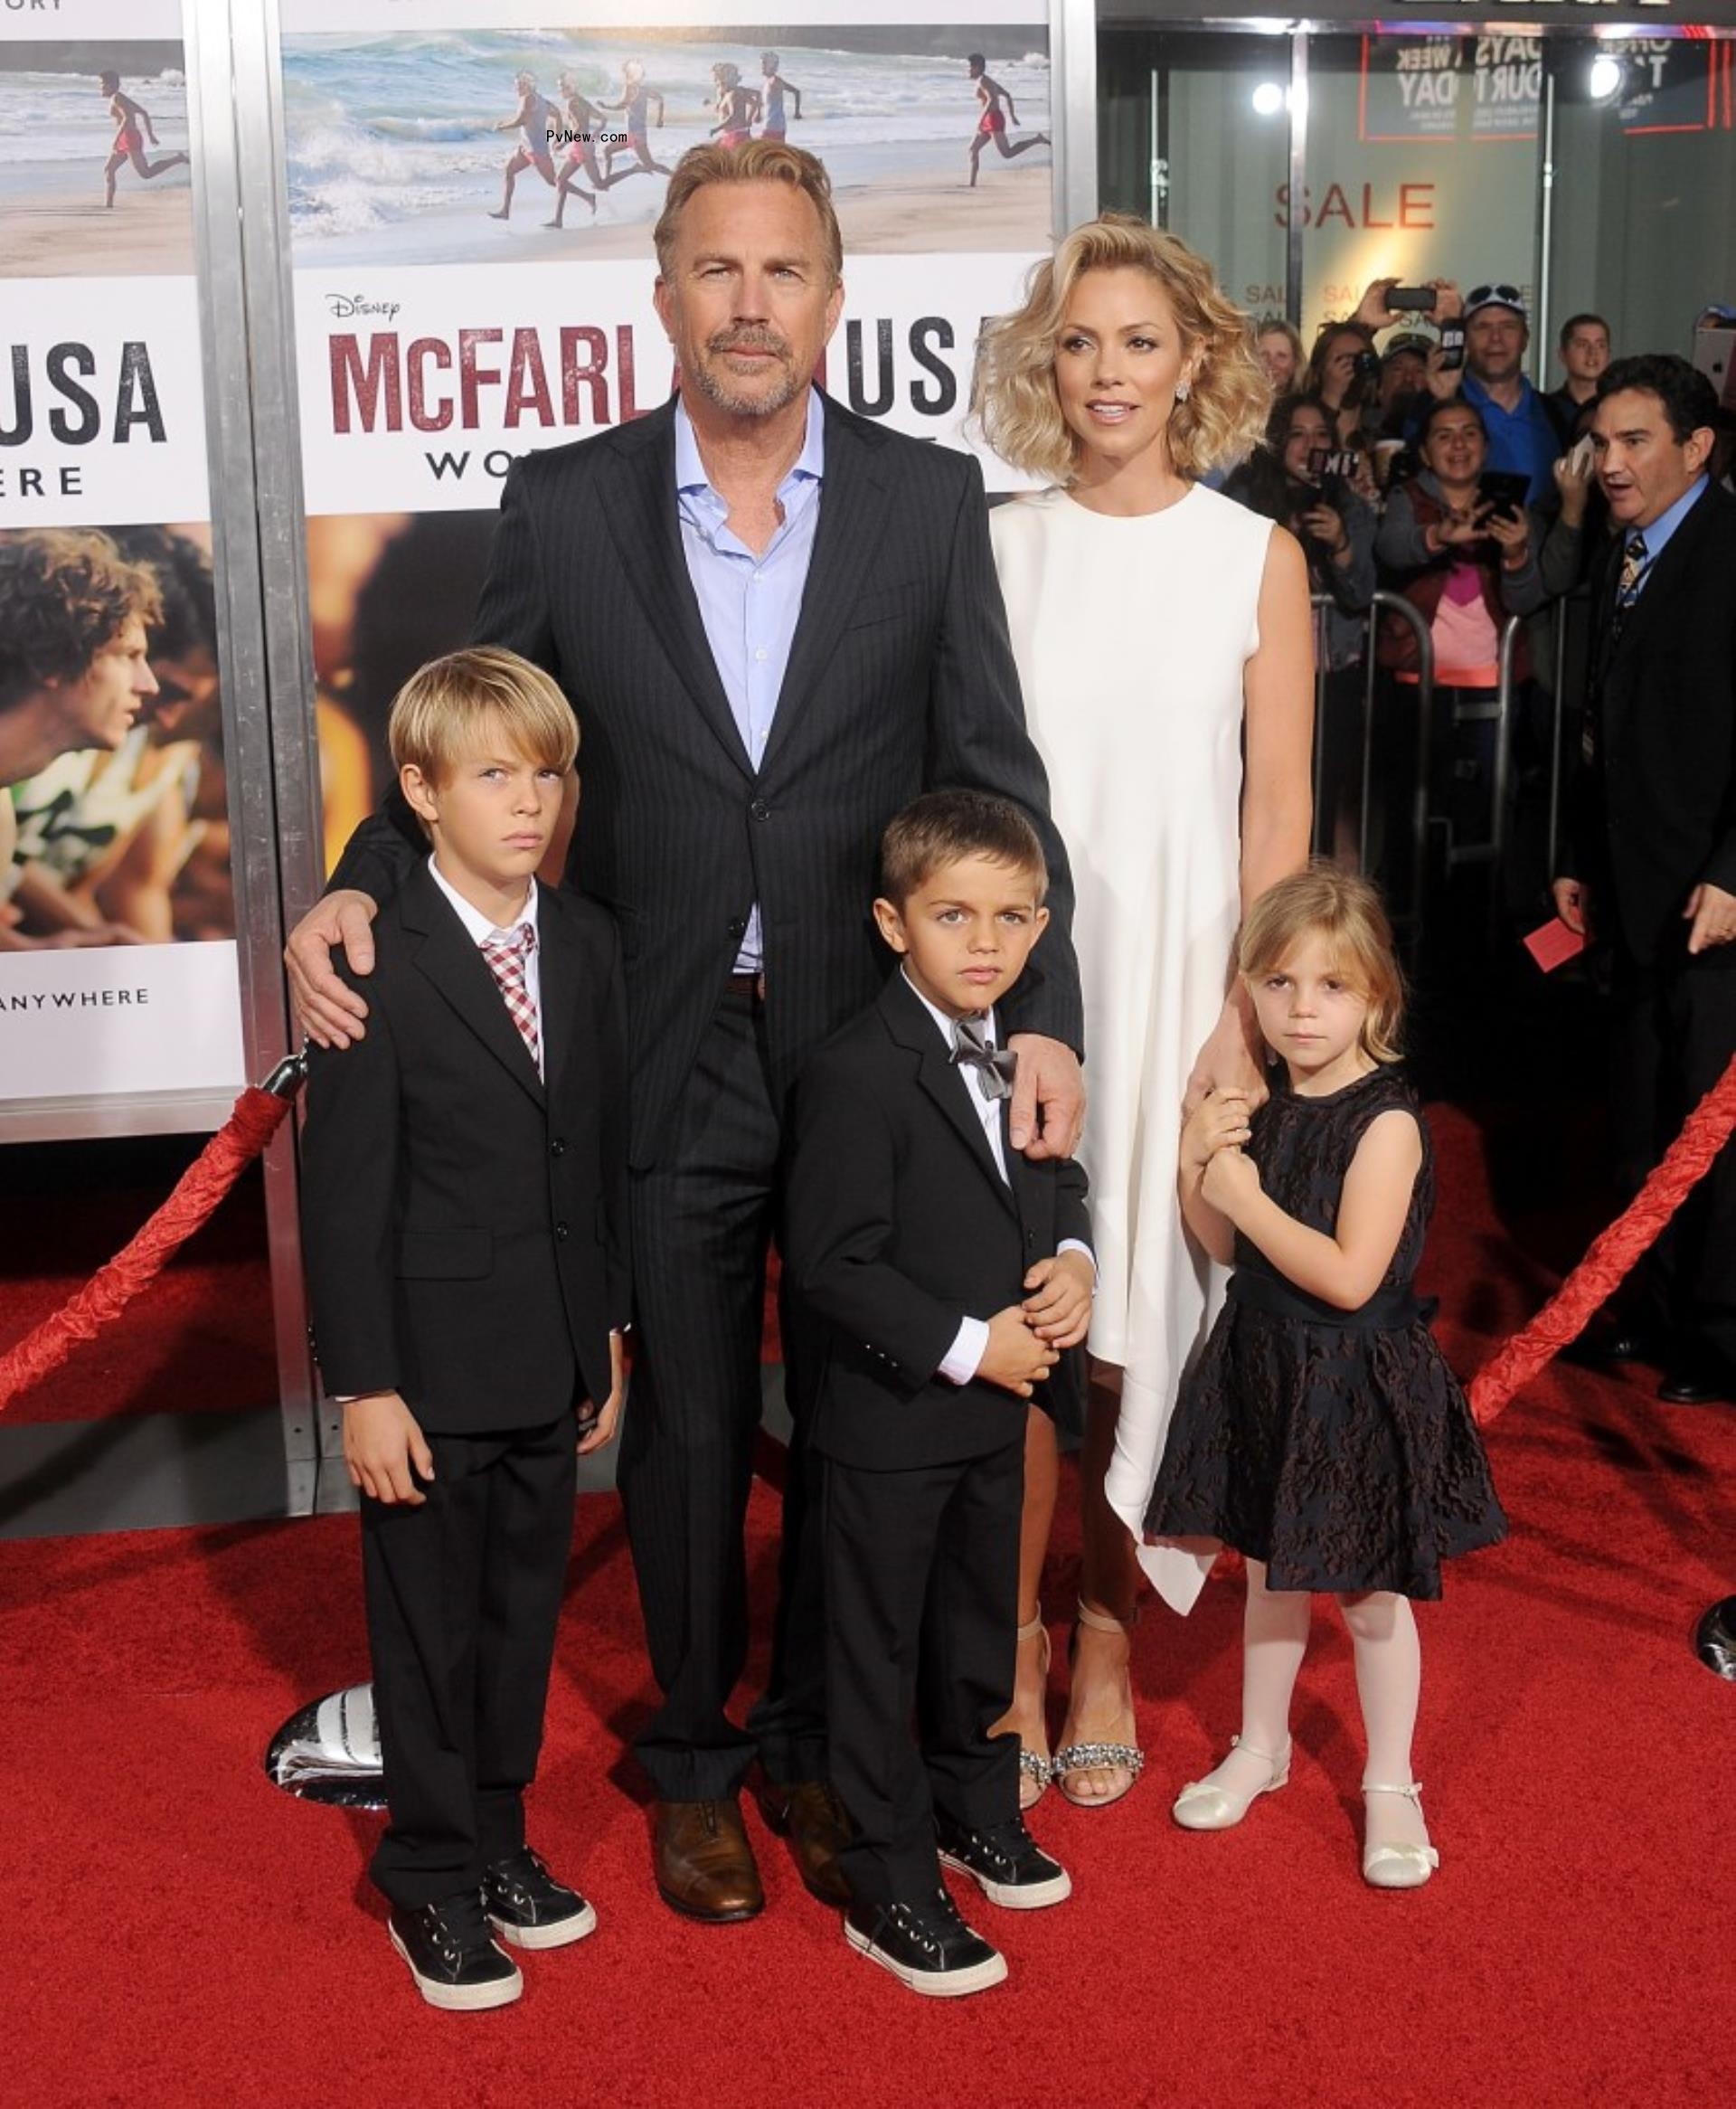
[749, 984]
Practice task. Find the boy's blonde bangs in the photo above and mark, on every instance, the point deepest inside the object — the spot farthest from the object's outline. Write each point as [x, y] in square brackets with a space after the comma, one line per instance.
[1013, 395]
[470, 702]
[1344, 912]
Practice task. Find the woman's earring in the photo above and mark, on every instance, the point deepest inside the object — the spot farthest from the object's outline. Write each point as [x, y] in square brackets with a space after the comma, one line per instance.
[1184, 389]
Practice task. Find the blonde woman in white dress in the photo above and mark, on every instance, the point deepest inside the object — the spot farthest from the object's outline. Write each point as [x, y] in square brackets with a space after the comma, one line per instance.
[1165, 647]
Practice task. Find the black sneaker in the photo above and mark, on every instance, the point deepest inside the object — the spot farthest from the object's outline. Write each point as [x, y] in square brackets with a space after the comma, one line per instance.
[1007, 1863]
[528, 1907]
[926, 1946]
[451, 1956]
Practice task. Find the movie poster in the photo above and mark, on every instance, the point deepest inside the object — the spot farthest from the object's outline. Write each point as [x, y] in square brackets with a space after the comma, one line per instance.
[118, 963]
[471, 203]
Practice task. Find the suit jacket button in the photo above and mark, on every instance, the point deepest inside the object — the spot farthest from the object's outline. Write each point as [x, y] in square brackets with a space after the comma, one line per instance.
[760, 809]
[737, 927]
[561, 1231]
[558, 1147]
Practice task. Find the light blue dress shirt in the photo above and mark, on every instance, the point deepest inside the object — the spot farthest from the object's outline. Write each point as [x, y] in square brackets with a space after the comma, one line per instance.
[749, 604]
[1661, 529]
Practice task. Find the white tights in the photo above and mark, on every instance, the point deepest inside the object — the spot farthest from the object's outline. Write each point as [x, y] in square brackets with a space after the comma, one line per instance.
[1389, 1681]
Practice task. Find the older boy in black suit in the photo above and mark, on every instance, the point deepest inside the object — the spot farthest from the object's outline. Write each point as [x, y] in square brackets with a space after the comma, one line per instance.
[952, 1274]
[464, 1218]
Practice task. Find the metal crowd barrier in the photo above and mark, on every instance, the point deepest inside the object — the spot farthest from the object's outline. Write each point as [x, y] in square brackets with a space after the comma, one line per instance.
[1497, 711]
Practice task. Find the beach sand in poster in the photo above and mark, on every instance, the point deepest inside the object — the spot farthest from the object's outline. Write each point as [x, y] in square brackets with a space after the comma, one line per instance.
[399, 147]
[124, 840]
[72, 128]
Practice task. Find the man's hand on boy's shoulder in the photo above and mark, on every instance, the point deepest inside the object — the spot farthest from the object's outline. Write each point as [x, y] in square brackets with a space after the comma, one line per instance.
[1059, 1308]
[331, 1012]
[385, 1450]
[1015, 1359]
[1047, 1116]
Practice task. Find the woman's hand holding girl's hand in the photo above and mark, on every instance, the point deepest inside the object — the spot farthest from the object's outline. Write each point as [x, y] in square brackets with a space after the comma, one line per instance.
[1220, 1121]
[1227, 1061]
[1231, 1181]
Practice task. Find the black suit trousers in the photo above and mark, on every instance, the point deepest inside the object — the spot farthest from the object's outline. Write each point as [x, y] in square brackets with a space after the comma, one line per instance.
[703, 1218]
[1675, 1034]
[922, 1604]
[463, 1593]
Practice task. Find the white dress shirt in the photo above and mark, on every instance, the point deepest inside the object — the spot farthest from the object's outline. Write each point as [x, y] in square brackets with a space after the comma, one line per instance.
[478, 929]
[962, 1360]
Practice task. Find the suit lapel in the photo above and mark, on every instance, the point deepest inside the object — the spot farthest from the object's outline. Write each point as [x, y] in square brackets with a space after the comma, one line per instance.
[1028, 1189]
[444, 952]
[643, 517]
[853, 499]
[952, 1092]
[1655, 605]
[562, 953]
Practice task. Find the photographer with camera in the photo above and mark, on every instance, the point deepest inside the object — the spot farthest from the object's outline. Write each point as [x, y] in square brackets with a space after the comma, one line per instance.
[1520, 434]
[1344, 376]
[1300, 478]
[1460, 543]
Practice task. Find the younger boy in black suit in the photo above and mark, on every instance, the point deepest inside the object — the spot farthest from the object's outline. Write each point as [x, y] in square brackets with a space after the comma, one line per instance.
[464, 1212]
[953, 1274]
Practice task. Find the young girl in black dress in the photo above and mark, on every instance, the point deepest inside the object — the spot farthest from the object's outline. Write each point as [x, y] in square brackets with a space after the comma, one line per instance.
[1322, 1433]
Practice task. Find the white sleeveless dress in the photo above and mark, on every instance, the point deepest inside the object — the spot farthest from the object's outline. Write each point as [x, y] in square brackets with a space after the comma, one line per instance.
[1131, 638]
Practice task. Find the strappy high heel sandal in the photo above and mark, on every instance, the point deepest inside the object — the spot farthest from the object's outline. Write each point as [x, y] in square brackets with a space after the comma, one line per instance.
[1205, 1805]
[1387, 1864]
[1124, 1756]
[1035, 1765]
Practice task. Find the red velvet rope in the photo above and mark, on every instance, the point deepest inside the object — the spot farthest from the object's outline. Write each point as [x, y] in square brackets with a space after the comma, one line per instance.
[1562, 1319]
[256, 1118]
[259, 1113]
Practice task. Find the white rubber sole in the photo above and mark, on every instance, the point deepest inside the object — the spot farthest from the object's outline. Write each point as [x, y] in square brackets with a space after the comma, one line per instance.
[559, 1934]
[1015, 1896]
[950, 1984]
[460, 1998]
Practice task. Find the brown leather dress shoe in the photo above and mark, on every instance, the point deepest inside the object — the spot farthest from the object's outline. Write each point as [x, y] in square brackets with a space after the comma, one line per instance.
[812, 1818]
[704, 1864]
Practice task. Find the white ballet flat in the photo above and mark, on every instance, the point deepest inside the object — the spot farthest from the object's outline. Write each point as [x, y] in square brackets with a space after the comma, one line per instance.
[1202, 1806]
[1391, 1866]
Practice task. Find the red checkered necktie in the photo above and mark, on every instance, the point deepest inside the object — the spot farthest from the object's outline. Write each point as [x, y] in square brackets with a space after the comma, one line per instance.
[507, 952]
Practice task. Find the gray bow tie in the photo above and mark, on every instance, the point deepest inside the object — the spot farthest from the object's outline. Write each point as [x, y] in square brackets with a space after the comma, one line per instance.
[994, 1066]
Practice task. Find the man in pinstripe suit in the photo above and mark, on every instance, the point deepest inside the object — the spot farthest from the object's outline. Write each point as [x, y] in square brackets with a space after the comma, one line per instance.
[778, 623]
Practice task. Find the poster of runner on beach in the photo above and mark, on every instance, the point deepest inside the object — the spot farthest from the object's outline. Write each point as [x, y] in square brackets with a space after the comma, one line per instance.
[95, 165]
[482, 144]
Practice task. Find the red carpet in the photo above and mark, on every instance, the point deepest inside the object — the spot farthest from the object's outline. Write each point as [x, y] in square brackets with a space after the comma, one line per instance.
[184, 1935]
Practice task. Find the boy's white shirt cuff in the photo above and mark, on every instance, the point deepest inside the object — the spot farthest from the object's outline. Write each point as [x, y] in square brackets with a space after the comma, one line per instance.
[963, 1359]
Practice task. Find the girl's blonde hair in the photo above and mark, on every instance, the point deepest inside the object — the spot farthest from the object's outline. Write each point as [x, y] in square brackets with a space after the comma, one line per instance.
[1345, 912]
[1015, 397]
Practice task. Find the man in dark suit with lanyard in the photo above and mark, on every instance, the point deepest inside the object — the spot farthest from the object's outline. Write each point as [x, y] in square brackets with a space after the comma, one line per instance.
[777, 623]
[1650, 860]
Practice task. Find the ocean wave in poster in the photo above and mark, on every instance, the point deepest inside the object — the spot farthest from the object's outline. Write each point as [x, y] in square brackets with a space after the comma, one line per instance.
[380, 130]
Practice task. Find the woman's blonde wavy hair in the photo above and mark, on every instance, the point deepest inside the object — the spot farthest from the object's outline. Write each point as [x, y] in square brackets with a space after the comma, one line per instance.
[1013, 396]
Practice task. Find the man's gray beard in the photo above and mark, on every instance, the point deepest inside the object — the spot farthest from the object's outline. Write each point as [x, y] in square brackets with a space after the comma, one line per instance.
[716, 389]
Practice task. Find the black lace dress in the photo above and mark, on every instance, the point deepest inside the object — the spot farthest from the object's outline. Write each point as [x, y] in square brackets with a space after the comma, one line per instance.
[1334, 1446]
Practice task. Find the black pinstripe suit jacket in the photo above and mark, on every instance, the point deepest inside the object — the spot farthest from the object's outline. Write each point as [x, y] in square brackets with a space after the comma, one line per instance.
[901, 679]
